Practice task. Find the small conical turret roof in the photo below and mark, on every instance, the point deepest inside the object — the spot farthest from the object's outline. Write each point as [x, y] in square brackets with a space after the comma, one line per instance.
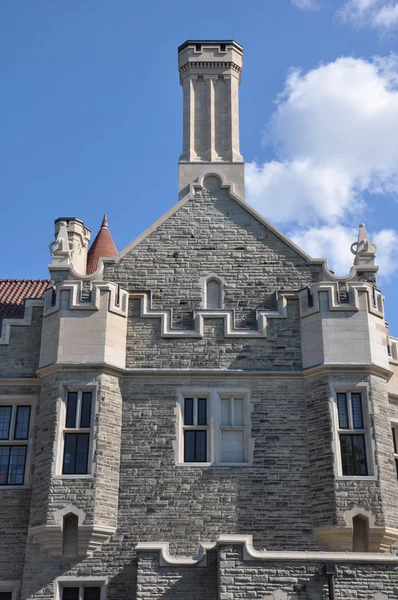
[102, 247]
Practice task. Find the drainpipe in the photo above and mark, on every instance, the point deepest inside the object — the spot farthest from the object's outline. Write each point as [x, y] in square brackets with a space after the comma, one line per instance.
[330, 571]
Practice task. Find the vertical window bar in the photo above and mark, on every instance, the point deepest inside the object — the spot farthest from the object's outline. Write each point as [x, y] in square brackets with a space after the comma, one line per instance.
[22, 420]
[343, 411]
[232, 410]
[71, 410]
[357, 415]
[394, 439]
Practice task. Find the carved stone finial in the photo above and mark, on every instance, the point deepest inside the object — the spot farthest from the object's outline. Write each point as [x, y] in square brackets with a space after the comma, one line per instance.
[60, 248]
[104, 222]
[364, 250]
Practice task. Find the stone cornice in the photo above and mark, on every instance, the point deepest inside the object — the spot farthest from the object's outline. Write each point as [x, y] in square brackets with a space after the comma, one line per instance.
[250, 554]
[132, 372]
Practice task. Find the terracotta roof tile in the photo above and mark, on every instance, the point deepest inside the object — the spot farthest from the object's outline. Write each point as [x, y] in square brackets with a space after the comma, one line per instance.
[14, 292]
[102, 247]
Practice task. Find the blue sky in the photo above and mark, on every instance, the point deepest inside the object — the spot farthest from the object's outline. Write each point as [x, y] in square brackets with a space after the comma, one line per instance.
[91, 121]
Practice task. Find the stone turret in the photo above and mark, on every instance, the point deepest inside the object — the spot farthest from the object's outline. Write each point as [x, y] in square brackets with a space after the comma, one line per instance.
[210, 73]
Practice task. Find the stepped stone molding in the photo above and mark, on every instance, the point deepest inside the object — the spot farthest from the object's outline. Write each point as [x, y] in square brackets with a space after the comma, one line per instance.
[374, 303]
[339, 539]
[199, 316]
[7, 323]
[250, 554]
[118, 297]
[90, 538]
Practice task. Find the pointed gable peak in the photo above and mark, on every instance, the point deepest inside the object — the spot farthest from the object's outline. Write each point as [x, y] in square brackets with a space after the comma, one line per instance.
[102, 247]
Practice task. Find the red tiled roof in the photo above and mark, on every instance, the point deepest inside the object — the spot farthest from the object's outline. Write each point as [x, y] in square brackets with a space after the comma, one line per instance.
[14, 292]
[102, 247]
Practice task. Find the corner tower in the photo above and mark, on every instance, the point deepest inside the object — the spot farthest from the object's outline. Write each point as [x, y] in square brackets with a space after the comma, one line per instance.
[210, 73]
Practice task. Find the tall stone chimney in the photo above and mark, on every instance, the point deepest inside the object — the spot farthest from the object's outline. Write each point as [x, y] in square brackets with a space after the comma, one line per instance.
[210, 73]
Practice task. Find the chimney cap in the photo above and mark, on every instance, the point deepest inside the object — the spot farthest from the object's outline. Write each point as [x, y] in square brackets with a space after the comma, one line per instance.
[209, 43]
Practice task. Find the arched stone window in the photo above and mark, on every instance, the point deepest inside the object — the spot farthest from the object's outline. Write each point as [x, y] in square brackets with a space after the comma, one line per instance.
[70, 535]
[360, 534]
[213, 293]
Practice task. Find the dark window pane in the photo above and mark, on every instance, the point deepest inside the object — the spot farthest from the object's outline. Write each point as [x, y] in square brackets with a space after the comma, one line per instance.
[360, 455]
[200, 446]
[70, 593]
[83, 440]
[202, 411]
[353, 455]
[22, 423]
[357, 417]
[4, 461]
[92, 593]
[69, 454]
[71, 406]
[394, 439]
[76, 453]
[5, 418]
[188, 411]
[195, 446]
[5, 595]
[189, 446]
[85, 416]
[16, 472]
[342, 409]
[396, 466]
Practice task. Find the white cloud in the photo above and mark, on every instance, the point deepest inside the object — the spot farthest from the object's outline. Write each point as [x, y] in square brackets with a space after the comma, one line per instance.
[334, 134]
[306, 4]
[334, 131]
[380, 14]
[334, 242]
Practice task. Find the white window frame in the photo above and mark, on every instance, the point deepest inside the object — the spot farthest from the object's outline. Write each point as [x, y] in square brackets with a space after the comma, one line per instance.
[213, 427]
[11, 585]
[14, 401]
[62, 430]
[81, 582]
[357, 388]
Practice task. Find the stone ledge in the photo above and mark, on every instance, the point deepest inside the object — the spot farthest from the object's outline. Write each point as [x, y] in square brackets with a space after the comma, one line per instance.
[250, 554]
[90, 538]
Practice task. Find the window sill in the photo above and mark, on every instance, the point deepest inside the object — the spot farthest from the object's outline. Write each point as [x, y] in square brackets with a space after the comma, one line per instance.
[356, 478]
[14, 487]
[209, 465]
[85, 476]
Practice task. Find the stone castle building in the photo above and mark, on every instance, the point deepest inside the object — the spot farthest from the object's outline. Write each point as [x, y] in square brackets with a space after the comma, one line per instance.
[209, 414]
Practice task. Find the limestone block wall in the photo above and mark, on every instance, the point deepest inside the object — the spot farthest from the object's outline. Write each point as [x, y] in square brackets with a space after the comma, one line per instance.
[241, 579]
[20, 349]
[176, 583]
[94, 496]
[212, 234]
[14, 508]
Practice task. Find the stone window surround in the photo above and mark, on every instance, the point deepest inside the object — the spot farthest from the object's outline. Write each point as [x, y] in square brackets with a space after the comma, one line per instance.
[394, 426]
[220, 281]
[22, 400]
[214, 396]
[68, 581]
[363, 389]
[59, 454]
[11, 585]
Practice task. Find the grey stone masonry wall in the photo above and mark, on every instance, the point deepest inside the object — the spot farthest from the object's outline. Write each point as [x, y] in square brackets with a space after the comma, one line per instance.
[20, 357]
[212, 234]
[240, 579]
[176, 583]
[14, 511]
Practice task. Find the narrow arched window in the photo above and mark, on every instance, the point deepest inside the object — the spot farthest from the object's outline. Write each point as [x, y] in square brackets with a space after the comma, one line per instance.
[70, 536]
[213, 293]
[360, 534]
